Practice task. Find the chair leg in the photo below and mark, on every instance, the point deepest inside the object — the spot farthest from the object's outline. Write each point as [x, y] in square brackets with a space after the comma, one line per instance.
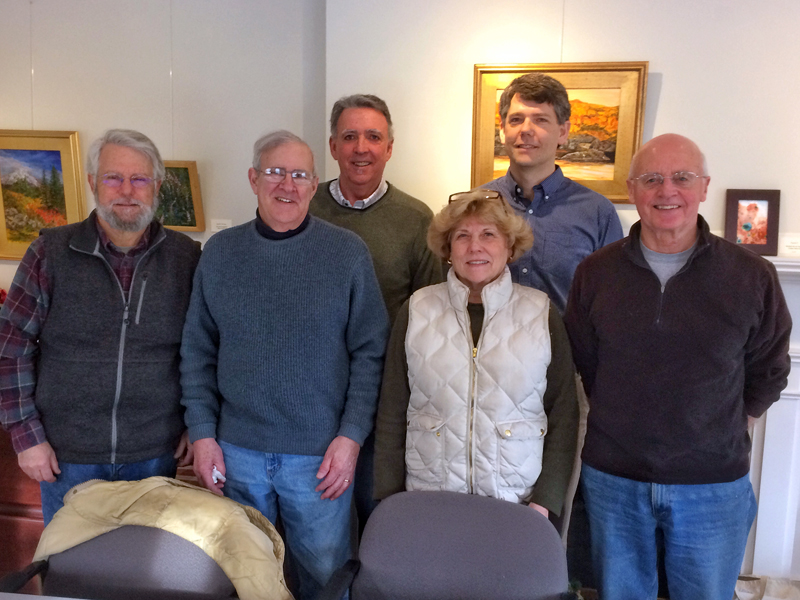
[13, 582]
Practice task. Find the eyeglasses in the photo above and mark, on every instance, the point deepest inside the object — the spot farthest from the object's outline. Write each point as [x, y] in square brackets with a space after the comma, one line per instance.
[681, 179]
[113, 180]
[479, 194]
[278, 174]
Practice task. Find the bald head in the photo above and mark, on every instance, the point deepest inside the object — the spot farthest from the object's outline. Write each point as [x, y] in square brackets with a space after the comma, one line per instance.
[667, 183]
[671, 145]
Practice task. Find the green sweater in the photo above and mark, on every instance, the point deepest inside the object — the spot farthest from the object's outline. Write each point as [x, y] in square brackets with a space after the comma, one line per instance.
[560, 405]
[395, 230]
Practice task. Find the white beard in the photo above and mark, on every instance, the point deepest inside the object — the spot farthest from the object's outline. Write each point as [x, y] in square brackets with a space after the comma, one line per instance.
[106, 212]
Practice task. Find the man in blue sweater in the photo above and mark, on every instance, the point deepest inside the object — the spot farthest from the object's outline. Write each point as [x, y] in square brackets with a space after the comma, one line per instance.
[281, 361]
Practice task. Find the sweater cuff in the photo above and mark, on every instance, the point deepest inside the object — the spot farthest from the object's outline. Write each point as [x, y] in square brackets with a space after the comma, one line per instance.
[354, 432]
[544, 497]
[201, 431]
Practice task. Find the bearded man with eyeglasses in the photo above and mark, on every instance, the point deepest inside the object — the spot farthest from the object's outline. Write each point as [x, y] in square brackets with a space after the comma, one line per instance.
[681, 339]
[281, 361]
[90, 334]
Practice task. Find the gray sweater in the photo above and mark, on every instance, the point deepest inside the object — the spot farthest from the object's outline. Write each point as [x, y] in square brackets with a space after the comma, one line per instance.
[284, 340]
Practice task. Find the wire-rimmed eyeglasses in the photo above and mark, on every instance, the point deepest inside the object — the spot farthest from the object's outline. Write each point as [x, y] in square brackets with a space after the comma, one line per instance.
[680, 179]
[278, 174]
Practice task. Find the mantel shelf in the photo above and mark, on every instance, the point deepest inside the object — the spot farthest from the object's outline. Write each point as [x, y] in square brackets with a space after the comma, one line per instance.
[788, 268]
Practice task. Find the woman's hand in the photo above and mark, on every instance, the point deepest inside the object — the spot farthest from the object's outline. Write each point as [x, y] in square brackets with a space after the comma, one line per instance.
[540, 509]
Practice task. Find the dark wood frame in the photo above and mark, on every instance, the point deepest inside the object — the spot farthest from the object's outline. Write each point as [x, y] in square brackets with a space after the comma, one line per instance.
[773, 199]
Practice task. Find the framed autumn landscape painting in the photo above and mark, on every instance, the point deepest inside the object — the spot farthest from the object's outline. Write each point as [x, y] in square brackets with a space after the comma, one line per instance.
[41, 186]
[607, 101]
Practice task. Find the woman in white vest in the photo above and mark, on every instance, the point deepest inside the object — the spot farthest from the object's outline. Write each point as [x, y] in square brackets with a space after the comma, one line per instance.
[478, 393]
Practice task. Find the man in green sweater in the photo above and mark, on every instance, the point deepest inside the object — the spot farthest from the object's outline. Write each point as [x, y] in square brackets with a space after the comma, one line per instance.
[393, 224]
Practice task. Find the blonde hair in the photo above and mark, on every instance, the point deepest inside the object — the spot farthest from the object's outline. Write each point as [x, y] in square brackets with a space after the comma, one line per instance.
[516, 230]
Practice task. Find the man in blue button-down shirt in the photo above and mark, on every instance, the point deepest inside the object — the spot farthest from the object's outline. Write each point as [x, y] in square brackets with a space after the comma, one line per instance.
[569, 221]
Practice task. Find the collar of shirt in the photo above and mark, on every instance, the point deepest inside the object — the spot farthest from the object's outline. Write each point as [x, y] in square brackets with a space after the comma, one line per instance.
[268, 232]
[544, 192]
[111, 248]
[333, 188]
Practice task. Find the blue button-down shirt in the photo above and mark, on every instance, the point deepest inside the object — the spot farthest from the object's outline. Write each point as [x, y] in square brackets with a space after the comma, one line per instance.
[569, 222]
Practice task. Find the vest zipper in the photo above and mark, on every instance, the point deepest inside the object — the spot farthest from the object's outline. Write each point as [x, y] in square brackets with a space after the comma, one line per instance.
[118, 388]
[472, 389]
[123, 330]
[141, 297]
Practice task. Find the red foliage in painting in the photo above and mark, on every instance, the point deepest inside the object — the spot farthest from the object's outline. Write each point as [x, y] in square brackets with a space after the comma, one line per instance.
[50, 217]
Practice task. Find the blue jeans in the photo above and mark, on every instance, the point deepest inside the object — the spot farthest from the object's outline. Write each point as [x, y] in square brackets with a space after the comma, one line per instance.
[72, 474]
[317, 531]
[703, 529]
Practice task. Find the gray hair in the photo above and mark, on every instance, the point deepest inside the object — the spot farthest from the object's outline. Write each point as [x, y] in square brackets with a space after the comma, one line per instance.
[360, 101]
[540, 88]
[275, 139]
[129, 139]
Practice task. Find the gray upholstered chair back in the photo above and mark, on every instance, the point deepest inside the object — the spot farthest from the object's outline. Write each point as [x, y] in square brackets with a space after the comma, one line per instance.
[445, 545]
[135, 562]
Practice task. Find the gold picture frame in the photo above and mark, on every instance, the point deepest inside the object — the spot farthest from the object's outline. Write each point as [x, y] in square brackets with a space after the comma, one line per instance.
[623, 84]
[180, 204]
[41, 186]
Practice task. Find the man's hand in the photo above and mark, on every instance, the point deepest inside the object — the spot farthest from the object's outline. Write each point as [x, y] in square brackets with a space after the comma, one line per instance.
[337, 468]
[39, 462]
[540, 509]
[207, 455]
[184, 452]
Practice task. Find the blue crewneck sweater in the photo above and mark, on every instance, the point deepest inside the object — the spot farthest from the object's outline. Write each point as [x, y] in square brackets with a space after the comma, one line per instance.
[284, 340]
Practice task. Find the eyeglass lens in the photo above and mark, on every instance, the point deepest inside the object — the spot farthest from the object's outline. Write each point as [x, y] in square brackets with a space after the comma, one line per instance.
[137, 181]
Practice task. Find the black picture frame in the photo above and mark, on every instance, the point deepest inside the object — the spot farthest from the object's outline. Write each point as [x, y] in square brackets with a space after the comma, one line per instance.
[752, 219]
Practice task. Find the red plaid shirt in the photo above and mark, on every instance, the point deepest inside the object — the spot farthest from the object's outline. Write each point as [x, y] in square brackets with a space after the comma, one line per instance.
[22, 318]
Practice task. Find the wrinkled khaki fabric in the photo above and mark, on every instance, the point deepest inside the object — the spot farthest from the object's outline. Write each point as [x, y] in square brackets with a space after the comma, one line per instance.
[239, 538]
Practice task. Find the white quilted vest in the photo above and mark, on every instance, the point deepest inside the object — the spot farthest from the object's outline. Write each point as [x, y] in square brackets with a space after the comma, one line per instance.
[477, 425]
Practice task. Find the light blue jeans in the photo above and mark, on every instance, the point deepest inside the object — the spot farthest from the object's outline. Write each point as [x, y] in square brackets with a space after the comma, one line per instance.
[317, 531]
[72, 474]
[704, 530]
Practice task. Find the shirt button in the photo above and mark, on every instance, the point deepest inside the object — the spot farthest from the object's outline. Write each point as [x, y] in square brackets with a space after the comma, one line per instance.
[547, 197]
[525, 270]
[530, 211]
[508, 433]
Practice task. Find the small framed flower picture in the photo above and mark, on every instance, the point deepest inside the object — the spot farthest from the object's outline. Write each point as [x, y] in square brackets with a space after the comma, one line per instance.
[752, 218]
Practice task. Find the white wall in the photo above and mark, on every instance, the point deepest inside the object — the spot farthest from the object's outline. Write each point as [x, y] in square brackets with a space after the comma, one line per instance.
[202, 78]
[721, 72]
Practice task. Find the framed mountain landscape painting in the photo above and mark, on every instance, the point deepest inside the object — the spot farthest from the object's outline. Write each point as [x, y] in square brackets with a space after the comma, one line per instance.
[41, 186]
